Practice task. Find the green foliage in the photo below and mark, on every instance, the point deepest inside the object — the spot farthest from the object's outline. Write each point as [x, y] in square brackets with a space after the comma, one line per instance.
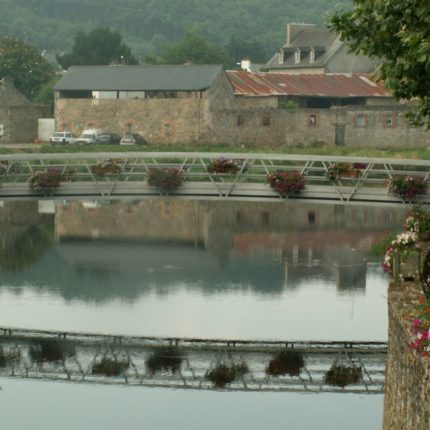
[146, 26]
[45, 94]
[379, 248]
[287, 104]
[101, 46]
[25, 64]
[252, 49]
[195, 49]
[398, 31]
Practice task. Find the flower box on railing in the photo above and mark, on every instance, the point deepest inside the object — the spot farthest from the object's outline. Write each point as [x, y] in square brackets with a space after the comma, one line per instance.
[45, 180]
[165, 179]
[344, 170]
[107, 167]
[286, 183]
[225, 166]
[407, 187]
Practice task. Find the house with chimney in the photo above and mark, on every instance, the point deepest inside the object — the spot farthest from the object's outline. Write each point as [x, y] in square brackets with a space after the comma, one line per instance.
[309, 49]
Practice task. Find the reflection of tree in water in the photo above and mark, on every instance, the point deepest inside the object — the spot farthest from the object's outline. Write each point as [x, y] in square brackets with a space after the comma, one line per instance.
[27, 248]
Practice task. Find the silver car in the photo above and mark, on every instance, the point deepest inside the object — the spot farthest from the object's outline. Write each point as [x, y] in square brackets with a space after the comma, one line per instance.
[133, 139]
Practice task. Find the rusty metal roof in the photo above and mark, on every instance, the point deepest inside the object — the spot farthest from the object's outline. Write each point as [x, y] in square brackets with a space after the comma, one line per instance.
[306, 85]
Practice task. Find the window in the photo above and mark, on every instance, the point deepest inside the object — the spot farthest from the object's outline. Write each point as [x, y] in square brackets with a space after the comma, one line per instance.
[129, 128]
[239, 218]
[312, 120]
[311, 218]
[167, 129]
[240, 120]
[388, 120]
[297, 56]
[266, 119]
[360, 120]
[312, 55]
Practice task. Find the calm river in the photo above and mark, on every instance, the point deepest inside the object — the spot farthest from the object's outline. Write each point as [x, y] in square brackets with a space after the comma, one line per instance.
[170, 268]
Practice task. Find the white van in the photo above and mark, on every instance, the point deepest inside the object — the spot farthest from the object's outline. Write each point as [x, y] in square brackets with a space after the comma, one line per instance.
[88, 136]
[61, 137]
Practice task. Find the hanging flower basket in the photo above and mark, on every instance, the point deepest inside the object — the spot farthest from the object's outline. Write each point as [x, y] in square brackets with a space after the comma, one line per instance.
[165, 179]
[110, 366]
[225, 166]
[286, 362]
[164, 360]
[223, 374]
[45, 180]
[344, 170]
[341, 375]
[407, 187]
[286, 183]
[108, 167]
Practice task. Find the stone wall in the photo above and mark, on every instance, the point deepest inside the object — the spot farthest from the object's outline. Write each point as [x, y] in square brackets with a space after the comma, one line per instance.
[18, 116]
[364, 126]
[407, 376]
[170, 120]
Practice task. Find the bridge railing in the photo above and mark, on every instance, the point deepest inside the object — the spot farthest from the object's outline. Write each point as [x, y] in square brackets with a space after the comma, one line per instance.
[188, 363]
[367, 180]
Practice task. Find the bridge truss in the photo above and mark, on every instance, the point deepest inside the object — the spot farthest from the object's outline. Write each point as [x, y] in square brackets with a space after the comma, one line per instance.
[186, 363]
[368, 185]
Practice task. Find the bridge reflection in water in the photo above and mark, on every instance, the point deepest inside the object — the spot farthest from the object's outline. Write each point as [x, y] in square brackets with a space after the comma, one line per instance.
[202, 364]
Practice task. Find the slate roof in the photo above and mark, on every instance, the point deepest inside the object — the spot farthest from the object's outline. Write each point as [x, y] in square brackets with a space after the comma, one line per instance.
[307, 85]
[330, 53]
[139, 78]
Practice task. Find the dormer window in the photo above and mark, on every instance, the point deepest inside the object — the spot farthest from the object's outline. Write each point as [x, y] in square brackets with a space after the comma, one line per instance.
[312, 55]
[297, 56]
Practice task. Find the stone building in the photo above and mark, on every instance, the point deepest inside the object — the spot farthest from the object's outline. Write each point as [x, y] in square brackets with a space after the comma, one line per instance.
[168, 104]
[18, 116]
[315, 109]
[185, 104]
[310, 49]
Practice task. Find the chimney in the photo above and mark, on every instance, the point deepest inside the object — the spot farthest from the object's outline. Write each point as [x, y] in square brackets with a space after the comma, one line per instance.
[294, 29]
[245, 64]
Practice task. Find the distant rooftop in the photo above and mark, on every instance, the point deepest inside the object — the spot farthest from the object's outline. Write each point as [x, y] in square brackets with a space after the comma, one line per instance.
[139, 78]
[311, 85]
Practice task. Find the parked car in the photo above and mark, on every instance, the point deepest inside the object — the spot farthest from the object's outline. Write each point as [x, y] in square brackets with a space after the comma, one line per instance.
[62, 137]
[133, 139]
[108, 139]
[89, 136]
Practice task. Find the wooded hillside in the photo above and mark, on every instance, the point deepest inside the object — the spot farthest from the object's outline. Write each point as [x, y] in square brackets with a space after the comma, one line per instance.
[148, 25]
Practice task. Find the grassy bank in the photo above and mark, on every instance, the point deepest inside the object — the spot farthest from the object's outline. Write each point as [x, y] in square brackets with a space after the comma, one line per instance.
[408, 153]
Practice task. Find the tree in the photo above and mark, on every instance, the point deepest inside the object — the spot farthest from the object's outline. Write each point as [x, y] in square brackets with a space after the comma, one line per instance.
[25, 64]
[195, 49]
[397, 31]
[239, 49]
[101, 46]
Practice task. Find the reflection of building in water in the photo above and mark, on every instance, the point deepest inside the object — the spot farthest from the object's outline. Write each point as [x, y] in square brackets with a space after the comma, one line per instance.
[312, 241]
[25, 234]
[343, 265]
[16, 218]
[125, 248]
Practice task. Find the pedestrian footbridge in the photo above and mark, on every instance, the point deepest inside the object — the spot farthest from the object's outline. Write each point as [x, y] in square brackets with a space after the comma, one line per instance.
[116, 175]
[185, 363]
